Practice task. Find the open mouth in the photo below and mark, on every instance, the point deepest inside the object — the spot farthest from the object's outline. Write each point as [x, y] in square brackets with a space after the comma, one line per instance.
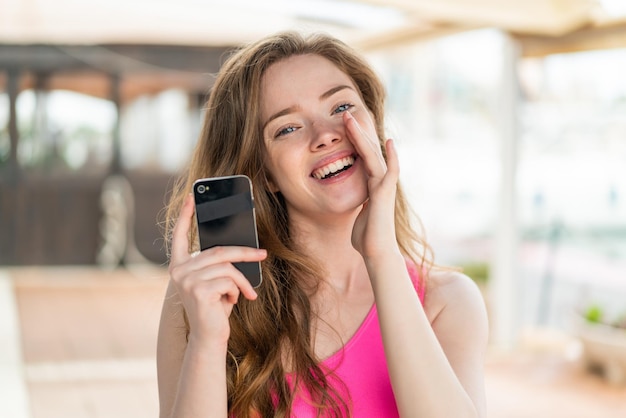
[334, 168]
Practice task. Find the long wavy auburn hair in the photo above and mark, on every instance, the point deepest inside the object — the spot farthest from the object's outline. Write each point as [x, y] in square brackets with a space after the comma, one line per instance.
[271, 337]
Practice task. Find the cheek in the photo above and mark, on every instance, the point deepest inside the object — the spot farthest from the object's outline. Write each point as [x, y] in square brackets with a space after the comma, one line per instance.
[287, 177]
[271, 175]
[277, 173]
[272, 186]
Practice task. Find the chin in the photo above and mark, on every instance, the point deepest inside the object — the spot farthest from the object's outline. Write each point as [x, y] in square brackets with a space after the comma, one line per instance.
[359, 199]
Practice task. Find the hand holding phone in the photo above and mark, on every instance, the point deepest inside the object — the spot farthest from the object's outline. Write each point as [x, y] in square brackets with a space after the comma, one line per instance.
[225, 216]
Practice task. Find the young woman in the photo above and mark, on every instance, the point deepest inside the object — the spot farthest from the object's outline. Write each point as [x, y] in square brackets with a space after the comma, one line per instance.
[351, 319]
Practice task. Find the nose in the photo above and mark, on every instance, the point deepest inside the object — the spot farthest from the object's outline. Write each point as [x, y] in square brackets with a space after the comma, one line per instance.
[326, 133]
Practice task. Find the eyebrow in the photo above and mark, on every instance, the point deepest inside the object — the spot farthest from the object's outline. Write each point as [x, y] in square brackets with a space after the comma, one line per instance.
[292, 109]
[334, 90]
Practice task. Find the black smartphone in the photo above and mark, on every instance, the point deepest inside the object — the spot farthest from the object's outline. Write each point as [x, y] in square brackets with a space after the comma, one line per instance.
[225, 216]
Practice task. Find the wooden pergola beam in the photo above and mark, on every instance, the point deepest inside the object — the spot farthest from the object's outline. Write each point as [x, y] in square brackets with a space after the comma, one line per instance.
[111, 57]
[547, 17]
[607, 36]
[96, 84]
[410, 34]
[143, 69]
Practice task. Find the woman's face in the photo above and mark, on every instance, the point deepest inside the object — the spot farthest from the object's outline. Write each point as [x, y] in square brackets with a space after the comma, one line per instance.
[310, 157]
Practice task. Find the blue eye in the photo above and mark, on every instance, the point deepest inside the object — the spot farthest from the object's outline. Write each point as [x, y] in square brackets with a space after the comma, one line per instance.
[342, 108]
[285, 131]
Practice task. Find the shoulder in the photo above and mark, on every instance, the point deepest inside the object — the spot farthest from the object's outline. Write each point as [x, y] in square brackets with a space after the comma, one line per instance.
[452, 296]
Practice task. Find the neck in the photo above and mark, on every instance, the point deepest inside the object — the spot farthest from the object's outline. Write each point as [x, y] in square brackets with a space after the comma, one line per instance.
[329, 242]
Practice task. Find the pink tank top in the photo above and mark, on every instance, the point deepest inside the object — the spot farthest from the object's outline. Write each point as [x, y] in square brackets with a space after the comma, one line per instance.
[362, 370]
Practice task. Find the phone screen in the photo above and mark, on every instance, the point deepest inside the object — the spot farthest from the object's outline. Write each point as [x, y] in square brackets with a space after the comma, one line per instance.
[225, 216]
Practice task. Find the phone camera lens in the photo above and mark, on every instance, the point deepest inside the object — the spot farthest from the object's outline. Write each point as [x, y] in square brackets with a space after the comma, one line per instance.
[201, 188]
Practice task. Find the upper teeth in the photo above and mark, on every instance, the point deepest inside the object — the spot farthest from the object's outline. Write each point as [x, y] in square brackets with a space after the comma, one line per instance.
[333, 167]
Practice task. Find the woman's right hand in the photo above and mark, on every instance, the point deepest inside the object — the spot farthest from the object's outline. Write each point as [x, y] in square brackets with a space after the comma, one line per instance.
[208, 283]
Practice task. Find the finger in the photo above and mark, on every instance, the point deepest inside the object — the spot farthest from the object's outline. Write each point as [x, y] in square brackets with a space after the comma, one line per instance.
[368, 148]
[227, 289]
[393, 162]
[220, 289]
[212, 261]
[180, 234]
[227, 271]
[358, 137]
[226, 254]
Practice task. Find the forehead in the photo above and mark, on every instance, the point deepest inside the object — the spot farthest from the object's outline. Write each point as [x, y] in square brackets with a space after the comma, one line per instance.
[299, 76]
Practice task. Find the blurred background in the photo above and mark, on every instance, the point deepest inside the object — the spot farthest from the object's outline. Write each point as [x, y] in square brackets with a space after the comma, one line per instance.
[510, 118]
